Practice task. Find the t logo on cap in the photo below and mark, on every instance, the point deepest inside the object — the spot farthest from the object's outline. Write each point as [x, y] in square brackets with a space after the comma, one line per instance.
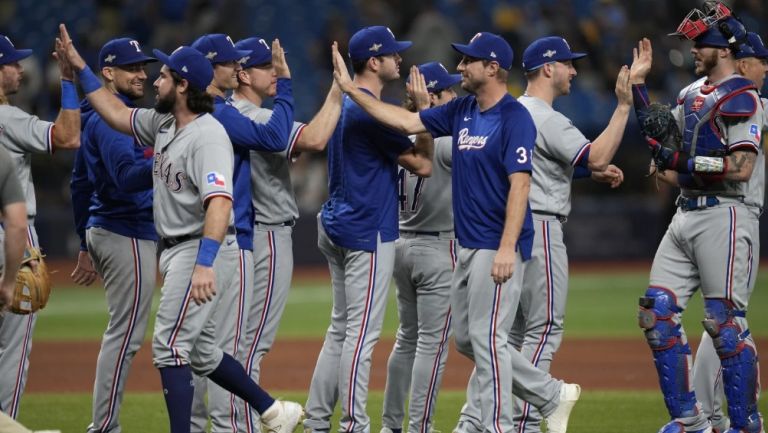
[122, 51]
[487, 46]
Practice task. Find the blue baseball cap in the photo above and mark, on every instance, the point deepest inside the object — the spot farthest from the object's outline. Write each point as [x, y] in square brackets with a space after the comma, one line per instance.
[546, 50]
[721, 34]
[437, 77]
[9, 53]
[260, 53]
[122, 51]
[190, 64]
[755, 48]
[488, 46]
[218, 48]
[375, 41]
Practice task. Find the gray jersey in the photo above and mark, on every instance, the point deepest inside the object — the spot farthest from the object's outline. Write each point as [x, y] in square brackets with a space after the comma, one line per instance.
[10, 189]
[756, 184]
[559, 146]
[425, 203]
[745, 132]
[191, 166]
[273, 199]
[23, 134]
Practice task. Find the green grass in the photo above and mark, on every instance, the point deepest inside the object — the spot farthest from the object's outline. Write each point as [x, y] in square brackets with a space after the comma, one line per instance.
[596, 412]
[598, 306]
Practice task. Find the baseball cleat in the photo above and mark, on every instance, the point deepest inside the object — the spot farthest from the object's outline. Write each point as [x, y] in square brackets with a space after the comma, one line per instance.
[558, 421]
[281, 417]
[678, 427]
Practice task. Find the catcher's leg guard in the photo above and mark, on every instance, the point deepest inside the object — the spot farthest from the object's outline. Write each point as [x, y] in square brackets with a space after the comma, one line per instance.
[657, 316]
[739, 361]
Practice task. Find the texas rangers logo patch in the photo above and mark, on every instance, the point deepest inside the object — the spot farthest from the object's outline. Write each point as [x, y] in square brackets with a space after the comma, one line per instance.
[754, 130]
[215, 178]
[697, 103]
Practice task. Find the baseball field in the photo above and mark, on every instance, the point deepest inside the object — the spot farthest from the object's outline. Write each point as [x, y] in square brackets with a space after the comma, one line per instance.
[603, 350]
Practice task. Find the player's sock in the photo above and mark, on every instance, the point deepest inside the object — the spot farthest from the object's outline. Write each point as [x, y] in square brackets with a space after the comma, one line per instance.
[178, 390]
[231, 376]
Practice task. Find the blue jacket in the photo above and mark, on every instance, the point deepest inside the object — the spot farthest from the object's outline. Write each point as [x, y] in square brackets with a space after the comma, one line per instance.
[111, 182]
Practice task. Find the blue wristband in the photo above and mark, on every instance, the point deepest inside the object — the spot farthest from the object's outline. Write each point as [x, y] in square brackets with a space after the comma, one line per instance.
[207, 252]
[88, 80]
[69, 99]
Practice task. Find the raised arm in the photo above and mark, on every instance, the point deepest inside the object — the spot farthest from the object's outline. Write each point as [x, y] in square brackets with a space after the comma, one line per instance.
[418, 159]
[314, 137]
[66, 130]
[604, 147]
[111, 109]
[395, 117]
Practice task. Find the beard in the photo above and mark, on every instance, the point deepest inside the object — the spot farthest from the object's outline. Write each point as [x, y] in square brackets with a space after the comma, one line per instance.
[707, 64]
[165, 104]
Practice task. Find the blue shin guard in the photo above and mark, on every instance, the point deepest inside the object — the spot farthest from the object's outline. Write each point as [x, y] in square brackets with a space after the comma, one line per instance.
[739, 361]
[670, 355]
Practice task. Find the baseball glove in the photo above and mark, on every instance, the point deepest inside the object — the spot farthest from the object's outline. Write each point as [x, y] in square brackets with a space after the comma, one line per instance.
[659, 124]
[33, 286]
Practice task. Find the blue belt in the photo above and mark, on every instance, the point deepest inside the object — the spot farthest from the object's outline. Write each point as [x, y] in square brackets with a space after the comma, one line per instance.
[697, 203]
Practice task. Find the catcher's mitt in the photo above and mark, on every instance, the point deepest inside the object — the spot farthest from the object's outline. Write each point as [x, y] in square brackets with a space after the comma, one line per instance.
[659, 124]
[33, 287]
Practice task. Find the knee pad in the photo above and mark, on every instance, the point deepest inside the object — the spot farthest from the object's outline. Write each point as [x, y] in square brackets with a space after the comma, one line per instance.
[671, 357]
[656, 316]
[739, 361]
[727, 335]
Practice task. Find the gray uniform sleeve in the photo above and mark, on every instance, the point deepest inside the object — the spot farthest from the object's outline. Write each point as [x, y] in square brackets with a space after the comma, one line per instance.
[746, 134]
[262, 115]
[210, 167]
[563, 141]
[25, 133]
[10, 188]
[145, 123]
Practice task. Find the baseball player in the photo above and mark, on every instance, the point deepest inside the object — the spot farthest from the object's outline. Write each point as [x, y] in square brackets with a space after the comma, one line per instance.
[273, 202]
[23, 134]
[246, 136]
[707, 377]
[111, 191]
[494, 137]
[14, 221]
[560, 149]
[357, 227]
[14, 238]
[425, 256]
[192, 189]
[710, 241]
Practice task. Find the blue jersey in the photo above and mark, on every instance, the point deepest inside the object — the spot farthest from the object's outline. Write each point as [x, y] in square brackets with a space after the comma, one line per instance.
[111, 182]
[488, 147]
[247, 135]
[362, 180]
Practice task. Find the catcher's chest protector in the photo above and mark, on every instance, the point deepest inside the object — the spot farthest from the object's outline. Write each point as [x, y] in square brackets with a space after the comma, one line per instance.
[702, 132]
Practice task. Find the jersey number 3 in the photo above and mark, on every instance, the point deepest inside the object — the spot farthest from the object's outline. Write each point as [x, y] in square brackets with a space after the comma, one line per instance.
[402, 191]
